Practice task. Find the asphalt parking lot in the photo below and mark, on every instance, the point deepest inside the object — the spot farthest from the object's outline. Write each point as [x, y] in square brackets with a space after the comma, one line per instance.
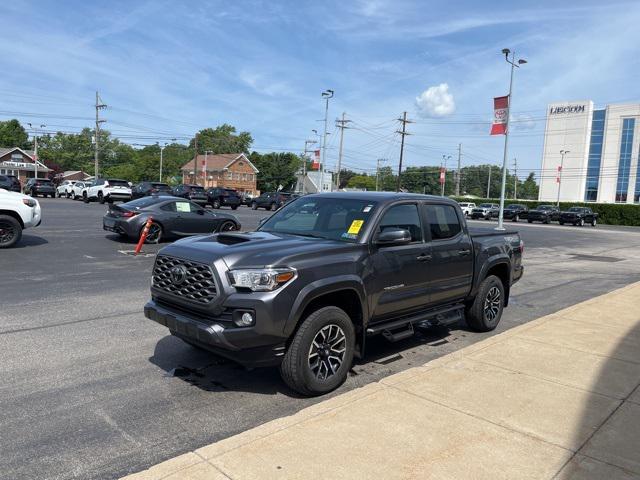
[91, 389]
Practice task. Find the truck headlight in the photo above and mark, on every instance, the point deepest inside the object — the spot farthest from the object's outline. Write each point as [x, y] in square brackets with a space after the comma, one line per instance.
[262, 280]
[29, 202]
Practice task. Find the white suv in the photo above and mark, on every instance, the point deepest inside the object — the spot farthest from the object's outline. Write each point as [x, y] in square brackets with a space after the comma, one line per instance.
[64, 189]
[17, 212]
[108, 190]
[467, 207]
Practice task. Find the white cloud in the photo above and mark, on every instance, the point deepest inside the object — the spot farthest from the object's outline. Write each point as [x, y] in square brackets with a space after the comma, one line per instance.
[436, 102]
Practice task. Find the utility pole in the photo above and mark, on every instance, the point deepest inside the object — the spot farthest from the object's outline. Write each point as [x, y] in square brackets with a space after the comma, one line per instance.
[515, 178]
[99, 106]
[204, 168]
[489, 184]
[458, 171]
[378, 170]
[341, 124]
[327, 94]
[403, 133]
[195, 160]
[304, 163]
[35, 149]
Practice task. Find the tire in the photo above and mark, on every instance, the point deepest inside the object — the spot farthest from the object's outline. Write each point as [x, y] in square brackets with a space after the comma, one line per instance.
[100, 198]
[155, 233]
[67, 194]
[216, 204]
[74, 196]
[227, 226]
[483, 317]
[309, 377]
[10, 231]
[581, 222]
[254, 206]
[273, 207]
[594, 222]
[530, 221]
[235, 207]
[560, 222]
[53, 195]
[516, 218]
[85, 198]
[58, 194]
[546, 221]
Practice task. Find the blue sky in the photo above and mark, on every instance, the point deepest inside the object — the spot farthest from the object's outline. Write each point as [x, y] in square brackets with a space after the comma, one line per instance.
[167, 69]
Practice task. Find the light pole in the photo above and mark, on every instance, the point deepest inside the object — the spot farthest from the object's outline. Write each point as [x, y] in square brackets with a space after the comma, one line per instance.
[378, 170]
[562, 154]
[327, 94]
[304, 162]
[513, 64]
[444, 179]
[35, 148]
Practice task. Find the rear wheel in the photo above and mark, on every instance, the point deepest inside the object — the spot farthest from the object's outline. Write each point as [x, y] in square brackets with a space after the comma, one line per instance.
[85, 197]
[530, 221]
[516, 218]
[100, 198]
[273, 207]
[216, 204]
[321, 352]
[560, 222]
[594, 222]
[155, 233]
[254, 206]
[67, 194]
[484, 314]
[10, 231]
[581, 222]
[235, 207]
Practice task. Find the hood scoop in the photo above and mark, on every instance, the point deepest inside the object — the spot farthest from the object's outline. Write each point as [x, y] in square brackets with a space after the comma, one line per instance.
[233, 238]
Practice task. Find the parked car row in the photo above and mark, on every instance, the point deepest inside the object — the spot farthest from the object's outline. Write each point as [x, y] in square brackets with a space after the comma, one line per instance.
[542, 213]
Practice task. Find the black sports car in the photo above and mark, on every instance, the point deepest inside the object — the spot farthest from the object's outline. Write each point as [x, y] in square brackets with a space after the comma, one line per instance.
[172, 217]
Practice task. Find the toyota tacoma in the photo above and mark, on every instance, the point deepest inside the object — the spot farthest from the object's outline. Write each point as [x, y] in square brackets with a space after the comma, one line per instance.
[326, 272]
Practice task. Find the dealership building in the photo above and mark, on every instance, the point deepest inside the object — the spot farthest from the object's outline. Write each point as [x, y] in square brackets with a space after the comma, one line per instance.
[591, 154]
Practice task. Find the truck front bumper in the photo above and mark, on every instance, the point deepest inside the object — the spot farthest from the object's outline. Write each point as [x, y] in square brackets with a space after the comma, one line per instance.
[220, 337]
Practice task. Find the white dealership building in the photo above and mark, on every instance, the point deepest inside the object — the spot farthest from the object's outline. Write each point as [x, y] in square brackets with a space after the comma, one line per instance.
[591, 154]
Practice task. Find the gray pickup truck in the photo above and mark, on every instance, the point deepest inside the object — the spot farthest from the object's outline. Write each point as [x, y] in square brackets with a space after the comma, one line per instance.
[327, 271]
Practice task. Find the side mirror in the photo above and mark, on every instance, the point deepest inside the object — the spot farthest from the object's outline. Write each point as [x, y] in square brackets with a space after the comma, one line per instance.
[200, 212]
[396, 236]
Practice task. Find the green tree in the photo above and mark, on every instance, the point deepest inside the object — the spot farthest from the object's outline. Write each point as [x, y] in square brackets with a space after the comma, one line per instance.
[529, 188]
[13, 134]
[222, 139]
[276, 169]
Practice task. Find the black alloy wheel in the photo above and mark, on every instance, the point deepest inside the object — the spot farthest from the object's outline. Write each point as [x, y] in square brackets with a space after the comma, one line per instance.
[10, 231]
[227, 226]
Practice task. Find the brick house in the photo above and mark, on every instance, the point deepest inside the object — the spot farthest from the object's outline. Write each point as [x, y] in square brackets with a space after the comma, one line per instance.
[72, 175]
[18, 162]
[227, 170]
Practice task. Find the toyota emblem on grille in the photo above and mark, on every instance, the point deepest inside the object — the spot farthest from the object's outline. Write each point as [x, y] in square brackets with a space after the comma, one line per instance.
[178, 274]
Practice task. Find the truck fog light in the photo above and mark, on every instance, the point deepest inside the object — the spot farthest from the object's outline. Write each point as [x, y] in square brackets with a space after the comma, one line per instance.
[246, 320]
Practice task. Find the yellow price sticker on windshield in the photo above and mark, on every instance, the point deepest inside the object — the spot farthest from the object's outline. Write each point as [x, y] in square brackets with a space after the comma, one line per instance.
[355, 227]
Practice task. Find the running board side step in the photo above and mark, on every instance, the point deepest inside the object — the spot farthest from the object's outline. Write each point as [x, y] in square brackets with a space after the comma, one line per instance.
[402, 328]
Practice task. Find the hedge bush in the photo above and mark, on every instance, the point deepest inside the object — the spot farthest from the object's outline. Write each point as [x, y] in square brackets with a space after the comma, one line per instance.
[609, 213]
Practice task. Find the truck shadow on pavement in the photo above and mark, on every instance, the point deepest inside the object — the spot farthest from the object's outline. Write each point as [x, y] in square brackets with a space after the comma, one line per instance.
[213, 373]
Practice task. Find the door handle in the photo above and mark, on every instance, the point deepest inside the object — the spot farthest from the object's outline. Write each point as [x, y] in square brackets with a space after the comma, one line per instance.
[464, 252]
[423, 257]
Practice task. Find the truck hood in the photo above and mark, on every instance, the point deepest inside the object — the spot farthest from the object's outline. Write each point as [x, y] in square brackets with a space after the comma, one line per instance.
[253, 249]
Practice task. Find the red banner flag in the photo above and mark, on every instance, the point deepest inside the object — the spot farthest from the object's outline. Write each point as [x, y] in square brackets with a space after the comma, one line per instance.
[500, 115]
[442, 174]
[316, 161]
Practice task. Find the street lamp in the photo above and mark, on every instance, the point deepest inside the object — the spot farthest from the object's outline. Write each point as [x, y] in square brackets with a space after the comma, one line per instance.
[327, 94]
[513, 64]
[35, 148]
[444, 179]
[562, 154]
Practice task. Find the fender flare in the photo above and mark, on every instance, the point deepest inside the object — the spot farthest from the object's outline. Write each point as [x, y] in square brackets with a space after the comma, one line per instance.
[322, 287]
[494, 260]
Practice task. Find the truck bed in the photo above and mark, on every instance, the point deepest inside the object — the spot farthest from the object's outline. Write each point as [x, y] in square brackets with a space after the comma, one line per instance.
[476, 232]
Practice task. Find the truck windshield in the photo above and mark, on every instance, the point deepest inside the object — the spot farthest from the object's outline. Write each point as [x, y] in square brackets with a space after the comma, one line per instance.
[321, 217]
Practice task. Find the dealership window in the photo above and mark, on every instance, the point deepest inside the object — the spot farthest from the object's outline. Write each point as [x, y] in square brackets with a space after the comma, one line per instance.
[636, 195]
[624, 164]
[595, 156]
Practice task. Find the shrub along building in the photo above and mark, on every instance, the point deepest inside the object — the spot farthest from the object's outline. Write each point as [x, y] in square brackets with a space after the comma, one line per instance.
[22, 164]
[227, 170]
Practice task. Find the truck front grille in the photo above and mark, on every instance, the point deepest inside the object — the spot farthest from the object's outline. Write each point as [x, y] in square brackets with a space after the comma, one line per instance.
[185, 279]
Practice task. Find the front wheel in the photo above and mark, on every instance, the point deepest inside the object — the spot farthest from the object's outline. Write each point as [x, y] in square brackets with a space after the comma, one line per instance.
[254, 206]
[155, 233]
[594, 222]
[273, 207]
[516, 218]
[321, 352]
[10, 231]
[85, 198]
[561, 222]
[484, 314]
[100, 198]
[227, 226]
[216, 204]
[235, 207]
[581, 222]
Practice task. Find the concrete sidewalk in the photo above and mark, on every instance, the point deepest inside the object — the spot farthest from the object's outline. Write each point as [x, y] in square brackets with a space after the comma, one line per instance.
[558, 397]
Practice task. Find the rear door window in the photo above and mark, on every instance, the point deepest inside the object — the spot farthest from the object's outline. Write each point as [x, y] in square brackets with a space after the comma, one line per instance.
[443, 221]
